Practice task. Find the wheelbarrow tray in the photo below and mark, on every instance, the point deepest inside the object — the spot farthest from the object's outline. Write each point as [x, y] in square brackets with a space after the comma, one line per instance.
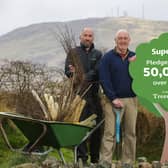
[58, 134]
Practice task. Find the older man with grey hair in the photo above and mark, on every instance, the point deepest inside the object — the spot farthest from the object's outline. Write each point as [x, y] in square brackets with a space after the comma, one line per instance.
[116, 83]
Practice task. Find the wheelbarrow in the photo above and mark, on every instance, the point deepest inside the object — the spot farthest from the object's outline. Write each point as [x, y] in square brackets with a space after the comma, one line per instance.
[53, 134]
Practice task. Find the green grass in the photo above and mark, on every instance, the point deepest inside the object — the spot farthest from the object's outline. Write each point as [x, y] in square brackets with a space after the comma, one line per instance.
[16, 139]
[10, 159]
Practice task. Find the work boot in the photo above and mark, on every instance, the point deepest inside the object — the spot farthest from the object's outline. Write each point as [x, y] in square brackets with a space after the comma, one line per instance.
[103, 164]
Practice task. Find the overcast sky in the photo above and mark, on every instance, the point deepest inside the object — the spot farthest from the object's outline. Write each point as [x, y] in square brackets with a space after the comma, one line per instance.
[18, 13]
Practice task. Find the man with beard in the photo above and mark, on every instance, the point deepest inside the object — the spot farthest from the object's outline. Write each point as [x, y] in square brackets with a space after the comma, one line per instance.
[87, 59]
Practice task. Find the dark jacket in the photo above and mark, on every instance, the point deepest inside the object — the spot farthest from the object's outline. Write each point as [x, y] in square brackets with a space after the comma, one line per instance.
[89, 60]
[114, 75]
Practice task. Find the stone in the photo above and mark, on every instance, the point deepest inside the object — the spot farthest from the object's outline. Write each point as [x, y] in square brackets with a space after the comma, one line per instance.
[144, 165]
[156, 164]
[27, 165]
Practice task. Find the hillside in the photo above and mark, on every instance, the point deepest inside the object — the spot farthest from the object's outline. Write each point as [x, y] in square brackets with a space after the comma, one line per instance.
[39, 43]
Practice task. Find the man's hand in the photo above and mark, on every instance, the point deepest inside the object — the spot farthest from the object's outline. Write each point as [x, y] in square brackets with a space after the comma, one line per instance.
[117, 103]
[132, 59]
[71, 68]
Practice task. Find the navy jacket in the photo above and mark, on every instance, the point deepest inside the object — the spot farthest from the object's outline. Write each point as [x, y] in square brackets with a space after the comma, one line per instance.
[114, 75]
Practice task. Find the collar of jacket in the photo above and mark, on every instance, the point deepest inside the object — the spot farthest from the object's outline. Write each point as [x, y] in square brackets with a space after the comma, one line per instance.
[84, 47]
[115, 50]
